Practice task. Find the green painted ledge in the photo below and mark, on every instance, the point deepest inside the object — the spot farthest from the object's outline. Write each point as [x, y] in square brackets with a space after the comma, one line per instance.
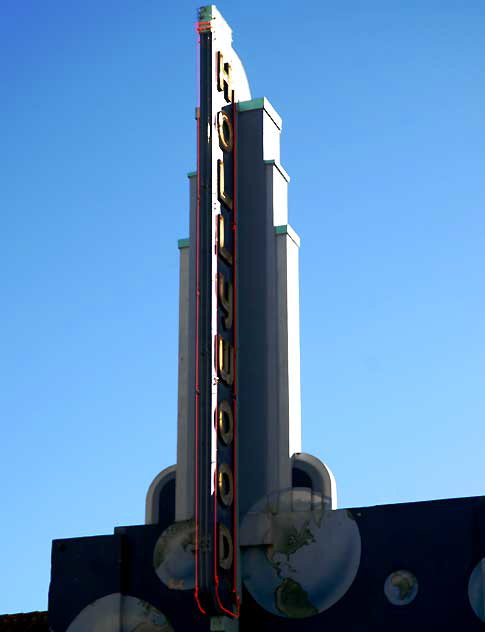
[205, 12]
[191, 174]
[183, 243]
[286, 229]
[261, 104]
[210, 13]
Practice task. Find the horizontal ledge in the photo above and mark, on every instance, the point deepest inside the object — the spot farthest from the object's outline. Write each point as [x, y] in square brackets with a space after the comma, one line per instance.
[261, 104]
[191, 174]
[183, 243]
[276, 164]
[286, 229]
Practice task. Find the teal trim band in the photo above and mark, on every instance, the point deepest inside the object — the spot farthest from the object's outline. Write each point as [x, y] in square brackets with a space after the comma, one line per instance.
[279, 167]
[254, 104]
[205, 13]
[183, 243]
[191, 174]
[286, 229]
[210, 13]
[261, 104]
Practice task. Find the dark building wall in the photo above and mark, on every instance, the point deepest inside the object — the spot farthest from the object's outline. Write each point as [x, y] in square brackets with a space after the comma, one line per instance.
[25, 622]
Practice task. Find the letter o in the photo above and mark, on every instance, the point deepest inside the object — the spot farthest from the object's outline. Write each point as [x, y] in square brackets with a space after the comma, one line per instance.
[225, 484]
[226, 548]
[226, 140]
[225, 422]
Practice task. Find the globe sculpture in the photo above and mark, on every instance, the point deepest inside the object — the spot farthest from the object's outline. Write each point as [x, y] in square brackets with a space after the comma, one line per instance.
[401, 587]
[476, 590]
[103, 615]
[173, 556]
[313, 557]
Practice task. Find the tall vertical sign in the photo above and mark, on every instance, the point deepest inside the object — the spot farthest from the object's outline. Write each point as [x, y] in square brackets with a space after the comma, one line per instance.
[308, 567]
[216, 362]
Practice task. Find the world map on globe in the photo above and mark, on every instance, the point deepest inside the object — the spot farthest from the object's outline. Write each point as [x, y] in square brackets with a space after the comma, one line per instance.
[401, 587]
[312, 560]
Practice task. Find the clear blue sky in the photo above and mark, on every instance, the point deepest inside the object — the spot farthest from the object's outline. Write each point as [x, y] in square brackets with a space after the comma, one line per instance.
[384, 138]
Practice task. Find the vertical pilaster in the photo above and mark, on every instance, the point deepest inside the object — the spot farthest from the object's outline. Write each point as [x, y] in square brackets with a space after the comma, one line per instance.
[184, 486]
[184, 440]
[269, 366]
[287, 251]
